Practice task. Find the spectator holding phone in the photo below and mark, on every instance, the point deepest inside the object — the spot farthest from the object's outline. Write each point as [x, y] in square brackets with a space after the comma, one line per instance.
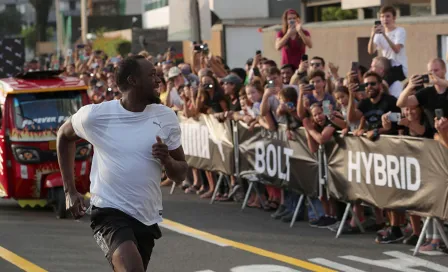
[370, 110]
[390, 39]
[433, 99]
[292, 40]
[313, 93]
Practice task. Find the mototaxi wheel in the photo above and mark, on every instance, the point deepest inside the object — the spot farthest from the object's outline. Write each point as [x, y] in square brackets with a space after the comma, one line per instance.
[59, 203]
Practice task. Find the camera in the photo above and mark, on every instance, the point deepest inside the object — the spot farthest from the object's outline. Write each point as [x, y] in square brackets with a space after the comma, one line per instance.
[271, 84]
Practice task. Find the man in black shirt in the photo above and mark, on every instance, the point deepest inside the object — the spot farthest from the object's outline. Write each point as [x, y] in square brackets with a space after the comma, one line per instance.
[371, 109]
[432, 98]
[369, 113]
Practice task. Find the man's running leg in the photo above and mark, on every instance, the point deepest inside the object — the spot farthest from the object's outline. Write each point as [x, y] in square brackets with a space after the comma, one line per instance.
[127, 258]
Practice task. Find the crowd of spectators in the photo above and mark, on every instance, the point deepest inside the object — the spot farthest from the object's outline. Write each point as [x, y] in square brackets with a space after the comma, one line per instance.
[300, 92]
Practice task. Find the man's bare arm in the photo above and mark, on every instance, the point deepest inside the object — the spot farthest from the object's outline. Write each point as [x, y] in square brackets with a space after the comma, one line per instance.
[176, 167]
[66, 151]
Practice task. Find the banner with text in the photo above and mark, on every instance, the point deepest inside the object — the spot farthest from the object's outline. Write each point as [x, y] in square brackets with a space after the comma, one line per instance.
[207, 143]
[270, 156]
[392, 172]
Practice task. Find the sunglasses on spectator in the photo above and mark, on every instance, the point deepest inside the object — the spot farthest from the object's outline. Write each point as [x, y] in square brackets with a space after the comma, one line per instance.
[373, 84]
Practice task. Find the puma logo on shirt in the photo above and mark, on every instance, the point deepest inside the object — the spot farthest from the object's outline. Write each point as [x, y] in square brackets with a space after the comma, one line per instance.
[159, 124]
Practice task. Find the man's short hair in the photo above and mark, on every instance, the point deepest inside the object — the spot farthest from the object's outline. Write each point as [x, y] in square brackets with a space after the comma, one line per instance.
[270, 63]
[319, 58]
[439, 60]
[273, 71]
[288, 66]
[128, 67]
[317, 73]
[385, 62]
[387, 9]
[373, 74]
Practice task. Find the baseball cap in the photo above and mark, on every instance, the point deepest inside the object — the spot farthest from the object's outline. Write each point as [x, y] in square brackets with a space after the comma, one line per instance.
[231, 78]
[174, 72]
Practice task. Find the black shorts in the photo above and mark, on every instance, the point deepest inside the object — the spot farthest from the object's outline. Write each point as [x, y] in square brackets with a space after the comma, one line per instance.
[112, 227]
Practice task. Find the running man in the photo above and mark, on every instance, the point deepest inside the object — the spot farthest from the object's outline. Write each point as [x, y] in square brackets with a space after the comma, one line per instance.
[133, 139]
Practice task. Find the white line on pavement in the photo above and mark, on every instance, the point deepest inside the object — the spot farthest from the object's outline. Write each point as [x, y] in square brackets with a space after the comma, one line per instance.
[334, 265]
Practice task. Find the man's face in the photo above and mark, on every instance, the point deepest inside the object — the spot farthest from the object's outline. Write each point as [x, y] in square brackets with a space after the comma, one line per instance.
[265, 69]
[316, 64]
[436, 68]
[319, 84]
[387, 19]
[286, 74]
[277, 80]
[373, 87]
[377, 67]
[148, 81]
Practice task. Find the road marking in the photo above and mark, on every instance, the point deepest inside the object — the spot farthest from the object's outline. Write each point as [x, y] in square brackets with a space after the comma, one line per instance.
[429, 253]
[402, 262]
[19, 261]
[335, 265]
[255, 250]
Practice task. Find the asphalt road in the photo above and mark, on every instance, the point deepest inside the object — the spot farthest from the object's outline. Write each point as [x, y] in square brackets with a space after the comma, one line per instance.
[201, 237]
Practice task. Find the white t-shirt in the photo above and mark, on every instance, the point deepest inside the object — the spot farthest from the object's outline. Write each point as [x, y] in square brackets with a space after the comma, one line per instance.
[397, 36]
[175, 99]
[124, 174]
[395, 89]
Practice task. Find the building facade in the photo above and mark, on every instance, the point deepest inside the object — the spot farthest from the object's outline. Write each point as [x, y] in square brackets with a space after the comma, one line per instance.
[344, 41]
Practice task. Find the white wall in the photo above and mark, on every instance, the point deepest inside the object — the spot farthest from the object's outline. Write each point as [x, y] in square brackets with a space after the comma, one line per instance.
[156, 18]
[134, 7]
[241, 44]
[235, 9]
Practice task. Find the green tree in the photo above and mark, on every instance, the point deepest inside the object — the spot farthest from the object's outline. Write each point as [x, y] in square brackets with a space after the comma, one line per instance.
[112, 46]
[30, 36]
[10, 21]
[42, 8]
[338, 14]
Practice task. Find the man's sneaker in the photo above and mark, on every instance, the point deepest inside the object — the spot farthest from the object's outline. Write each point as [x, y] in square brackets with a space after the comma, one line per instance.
[389, 238]
[326, 222]
[315, 223]
[411, 240]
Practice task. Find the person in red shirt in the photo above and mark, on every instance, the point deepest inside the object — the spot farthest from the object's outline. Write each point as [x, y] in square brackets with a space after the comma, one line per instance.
[292, 39]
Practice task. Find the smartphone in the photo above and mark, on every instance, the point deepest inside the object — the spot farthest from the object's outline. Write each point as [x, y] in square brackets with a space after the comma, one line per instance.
[326, 107]
[439, 113]
[361, 88]
[197, 47]
[395, 117]
[377, 23]
[292, 23]
[258, 52]
[205, 49]
[290, 105]
[208, 86]
[109, 89]
[114, 60]
[425, 78]
[355, 66]
[271, 84]
[304, 57]
[309, 87]
[69, 52]
[80, 46]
